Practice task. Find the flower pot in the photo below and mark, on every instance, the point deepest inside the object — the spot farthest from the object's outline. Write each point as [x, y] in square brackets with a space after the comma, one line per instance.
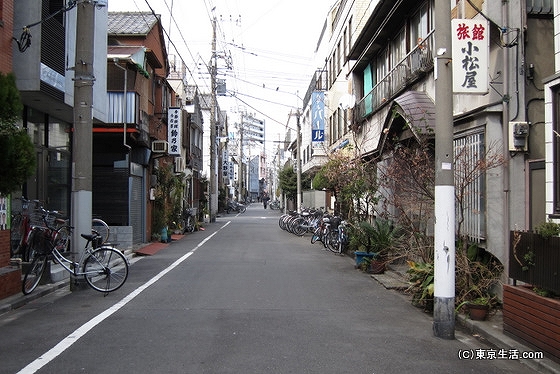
[360, 256]
[376, 267]
[478, 312]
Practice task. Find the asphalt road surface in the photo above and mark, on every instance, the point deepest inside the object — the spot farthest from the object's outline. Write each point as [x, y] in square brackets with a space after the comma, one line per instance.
[242, 296]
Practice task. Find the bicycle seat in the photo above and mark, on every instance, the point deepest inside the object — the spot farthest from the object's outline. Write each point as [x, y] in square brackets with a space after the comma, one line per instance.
[89, 237]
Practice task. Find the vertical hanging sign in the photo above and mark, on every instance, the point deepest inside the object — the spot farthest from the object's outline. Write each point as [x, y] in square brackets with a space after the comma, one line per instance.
[318, 116]
[174, 123]
[470, 43]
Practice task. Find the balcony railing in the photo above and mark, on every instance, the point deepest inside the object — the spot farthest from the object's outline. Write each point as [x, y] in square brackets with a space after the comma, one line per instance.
[416, 63]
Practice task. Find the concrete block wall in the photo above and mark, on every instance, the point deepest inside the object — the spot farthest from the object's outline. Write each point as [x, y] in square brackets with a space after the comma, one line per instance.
[121, 237]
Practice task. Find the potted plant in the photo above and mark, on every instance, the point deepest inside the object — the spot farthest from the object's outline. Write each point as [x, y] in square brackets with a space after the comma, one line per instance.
[479, 307]
[478, 276]
[374, 241]
[361, 242]
[421, 279]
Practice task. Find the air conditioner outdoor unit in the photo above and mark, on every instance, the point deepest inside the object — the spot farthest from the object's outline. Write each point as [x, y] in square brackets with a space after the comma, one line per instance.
[159, 146]
[179, 165]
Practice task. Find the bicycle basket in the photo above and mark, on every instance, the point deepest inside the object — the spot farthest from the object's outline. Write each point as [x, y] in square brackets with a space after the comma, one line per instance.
[335, 221]
[41, 240]
[36, 219]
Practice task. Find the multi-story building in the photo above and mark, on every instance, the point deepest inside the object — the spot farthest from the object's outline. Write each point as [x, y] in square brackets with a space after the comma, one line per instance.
[43, 62]
[127, 146]
[382, 57]
[10, 277]
[380, 90]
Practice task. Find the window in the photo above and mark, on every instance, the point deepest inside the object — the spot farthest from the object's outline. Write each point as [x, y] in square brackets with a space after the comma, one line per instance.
[419, 27]
[469, 187]
[398, 48]
[369, 82]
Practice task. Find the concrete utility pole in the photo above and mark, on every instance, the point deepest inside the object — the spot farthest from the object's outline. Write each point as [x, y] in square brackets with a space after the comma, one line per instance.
[212, 195]
[82, 136]
[240, 174]
[298, 160]
[444, 236]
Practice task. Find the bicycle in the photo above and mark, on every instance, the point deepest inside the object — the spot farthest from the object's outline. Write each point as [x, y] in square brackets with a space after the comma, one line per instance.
[188, 220]
[104, 268]
[21, 229]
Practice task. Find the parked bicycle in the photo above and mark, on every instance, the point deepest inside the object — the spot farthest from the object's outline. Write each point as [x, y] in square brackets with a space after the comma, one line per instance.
[301, 223]
[22, 228]
[186, 222]
[234, 206]
[275, 204]
[104, 268]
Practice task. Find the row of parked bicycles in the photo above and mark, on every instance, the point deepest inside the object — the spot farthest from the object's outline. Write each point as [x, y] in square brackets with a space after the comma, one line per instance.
[330, 230]
[39, 235]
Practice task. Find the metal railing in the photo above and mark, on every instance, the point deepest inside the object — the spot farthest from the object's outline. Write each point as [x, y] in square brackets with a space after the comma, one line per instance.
[535, 260]
[416, 63]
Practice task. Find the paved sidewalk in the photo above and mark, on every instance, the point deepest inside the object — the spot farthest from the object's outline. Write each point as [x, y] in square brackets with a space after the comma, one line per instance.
[490, 331]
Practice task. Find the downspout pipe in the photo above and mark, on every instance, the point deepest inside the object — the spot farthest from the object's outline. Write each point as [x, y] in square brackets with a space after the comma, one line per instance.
[505, 130]
[116, 62]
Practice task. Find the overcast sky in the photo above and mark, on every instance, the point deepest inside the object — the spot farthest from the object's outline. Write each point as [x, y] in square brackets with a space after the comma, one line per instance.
[266, 49]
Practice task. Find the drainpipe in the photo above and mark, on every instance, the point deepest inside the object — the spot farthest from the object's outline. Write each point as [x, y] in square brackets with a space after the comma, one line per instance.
[116, 62]
[505, 129]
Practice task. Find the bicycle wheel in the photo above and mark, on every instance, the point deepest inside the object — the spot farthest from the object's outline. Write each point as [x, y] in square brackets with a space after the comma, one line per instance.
[189, 226]
[332, 241]
[316, 235]
[62, 239]
[105, 269]
[298, 226]
[34, 274]
[101, 228]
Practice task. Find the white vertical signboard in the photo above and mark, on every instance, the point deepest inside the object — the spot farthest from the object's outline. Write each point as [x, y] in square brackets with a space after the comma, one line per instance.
[174, 123]
[470, 43]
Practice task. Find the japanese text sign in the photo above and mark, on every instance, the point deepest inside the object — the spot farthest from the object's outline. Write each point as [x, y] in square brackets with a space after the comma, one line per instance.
[470, 42]
[174, 123]
[318, 116]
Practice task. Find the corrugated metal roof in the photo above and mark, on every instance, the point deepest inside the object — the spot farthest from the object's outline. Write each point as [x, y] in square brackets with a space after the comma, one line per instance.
[130, 23]
[418, 109]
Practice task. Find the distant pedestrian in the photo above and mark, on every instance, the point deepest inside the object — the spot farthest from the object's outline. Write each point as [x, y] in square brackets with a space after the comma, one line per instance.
[265, 200]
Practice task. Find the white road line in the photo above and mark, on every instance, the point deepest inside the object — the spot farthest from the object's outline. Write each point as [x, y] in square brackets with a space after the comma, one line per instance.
[82, 330]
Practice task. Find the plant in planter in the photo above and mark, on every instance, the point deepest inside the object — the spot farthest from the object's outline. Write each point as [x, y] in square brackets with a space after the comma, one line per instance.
[478, 275]
[360, 241]
[168, 200]
[374, 241]
[548, 229]
[421, 279]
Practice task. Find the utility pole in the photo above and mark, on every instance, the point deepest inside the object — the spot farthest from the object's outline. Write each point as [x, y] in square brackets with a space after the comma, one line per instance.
[240, 175]
[212, 196]
[82, 135]
[444, 235]
[298, 160]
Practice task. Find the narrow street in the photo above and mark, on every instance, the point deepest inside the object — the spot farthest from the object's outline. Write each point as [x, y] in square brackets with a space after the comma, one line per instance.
[242, 296]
